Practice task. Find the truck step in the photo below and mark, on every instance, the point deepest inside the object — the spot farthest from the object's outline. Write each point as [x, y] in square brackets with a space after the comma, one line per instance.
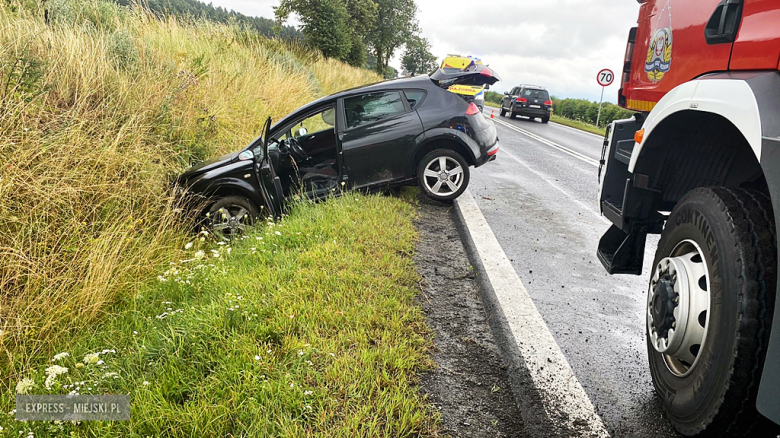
[623, 253]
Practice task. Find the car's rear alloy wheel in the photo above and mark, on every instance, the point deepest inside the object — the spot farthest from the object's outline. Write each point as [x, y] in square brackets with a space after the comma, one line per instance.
[443, 174]
[709, 310]
[230, 216]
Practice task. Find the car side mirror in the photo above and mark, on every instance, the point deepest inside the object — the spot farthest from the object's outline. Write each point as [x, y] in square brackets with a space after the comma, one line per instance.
[246, 156]
[302, 132]
[506, 93]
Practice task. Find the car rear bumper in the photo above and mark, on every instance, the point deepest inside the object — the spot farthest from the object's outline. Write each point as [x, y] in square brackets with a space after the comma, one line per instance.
[535, 112]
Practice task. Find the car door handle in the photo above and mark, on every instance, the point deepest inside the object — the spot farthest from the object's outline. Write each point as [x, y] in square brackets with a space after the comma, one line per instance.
[723, 24]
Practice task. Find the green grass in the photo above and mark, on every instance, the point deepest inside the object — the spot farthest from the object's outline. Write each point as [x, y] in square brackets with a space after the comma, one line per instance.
[582, 126]
[307, 327]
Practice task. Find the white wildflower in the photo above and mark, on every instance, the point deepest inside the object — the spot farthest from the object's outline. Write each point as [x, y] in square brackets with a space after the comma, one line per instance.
[199, 255]
[60, 356]
[51, 374]
[277, 233]
[146, 383]
[111, 374]
[91, 359]
[189, 245]
[100, 362]
[257, 357]
[25, 385]
[308, 392]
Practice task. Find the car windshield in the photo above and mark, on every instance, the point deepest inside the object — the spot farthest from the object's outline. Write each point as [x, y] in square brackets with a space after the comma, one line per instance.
[535, 94]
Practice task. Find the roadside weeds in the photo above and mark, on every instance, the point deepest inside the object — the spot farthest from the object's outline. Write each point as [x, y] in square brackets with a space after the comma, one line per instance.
[308, 327]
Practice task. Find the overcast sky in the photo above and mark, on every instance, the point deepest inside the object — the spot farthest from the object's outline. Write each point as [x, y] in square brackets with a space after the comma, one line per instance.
[559, 44]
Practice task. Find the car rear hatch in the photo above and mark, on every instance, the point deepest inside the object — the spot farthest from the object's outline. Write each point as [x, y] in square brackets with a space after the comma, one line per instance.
[534, 100]
[476, 75]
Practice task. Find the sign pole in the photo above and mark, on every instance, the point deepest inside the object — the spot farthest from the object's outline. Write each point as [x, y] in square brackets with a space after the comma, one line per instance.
[600, 101]
[604, 78]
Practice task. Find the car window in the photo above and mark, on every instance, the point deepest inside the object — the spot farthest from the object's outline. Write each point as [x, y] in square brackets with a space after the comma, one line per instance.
[372, 107]
[414, 97]
[535, 94]
[514, 91]
[322, 120]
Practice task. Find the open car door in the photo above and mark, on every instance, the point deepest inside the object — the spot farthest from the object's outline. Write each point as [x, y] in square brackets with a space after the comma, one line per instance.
[270, 185]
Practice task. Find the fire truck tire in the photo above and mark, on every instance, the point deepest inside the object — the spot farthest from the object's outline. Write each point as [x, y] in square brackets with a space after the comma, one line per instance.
[733, 231]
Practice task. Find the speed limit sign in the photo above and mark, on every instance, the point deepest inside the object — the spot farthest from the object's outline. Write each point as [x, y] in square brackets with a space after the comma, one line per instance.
[605, 77]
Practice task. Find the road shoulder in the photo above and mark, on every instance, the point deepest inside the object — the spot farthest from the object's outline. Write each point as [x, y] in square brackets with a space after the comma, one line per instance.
[470, 385]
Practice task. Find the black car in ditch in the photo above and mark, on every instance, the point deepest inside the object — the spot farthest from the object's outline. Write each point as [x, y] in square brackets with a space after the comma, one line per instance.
[527, 100]
[408, 131]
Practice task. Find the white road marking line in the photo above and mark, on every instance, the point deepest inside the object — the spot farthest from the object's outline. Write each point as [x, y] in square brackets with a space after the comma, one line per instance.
[556, 186]
[560, 391]
[552, 144]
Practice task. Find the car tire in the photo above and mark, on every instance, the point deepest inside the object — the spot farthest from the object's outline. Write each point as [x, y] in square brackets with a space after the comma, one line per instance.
[231, 215]
[502, 112]
[512, 114]
[714, 391]
[430, 180]
[545, 119]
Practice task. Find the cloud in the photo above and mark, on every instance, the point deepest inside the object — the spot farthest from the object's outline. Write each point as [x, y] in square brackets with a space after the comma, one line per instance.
[560, 44]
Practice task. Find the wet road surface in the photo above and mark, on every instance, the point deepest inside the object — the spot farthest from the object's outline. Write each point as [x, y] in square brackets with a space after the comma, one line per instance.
[540, 202]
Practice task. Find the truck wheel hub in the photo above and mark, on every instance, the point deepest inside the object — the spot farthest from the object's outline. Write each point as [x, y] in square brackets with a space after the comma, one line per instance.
[663, 305]
[678, 307]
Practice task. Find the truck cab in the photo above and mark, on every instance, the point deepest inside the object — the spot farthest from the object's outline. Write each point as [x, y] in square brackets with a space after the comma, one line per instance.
[699, 163]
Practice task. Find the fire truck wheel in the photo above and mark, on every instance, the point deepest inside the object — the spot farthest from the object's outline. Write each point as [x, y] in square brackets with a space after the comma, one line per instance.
[709, 310]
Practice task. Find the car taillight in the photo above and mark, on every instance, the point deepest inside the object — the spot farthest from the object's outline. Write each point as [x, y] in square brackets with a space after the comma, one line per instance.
[472, 109]
[626, 76]
[548, 102]
[522, 99]
[486, 72]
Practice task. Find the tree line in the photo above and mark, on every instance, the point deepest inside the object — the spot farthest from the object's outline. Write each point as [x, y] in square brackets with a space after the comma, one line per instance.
[362, 33]
[587, 111]
[264, 26]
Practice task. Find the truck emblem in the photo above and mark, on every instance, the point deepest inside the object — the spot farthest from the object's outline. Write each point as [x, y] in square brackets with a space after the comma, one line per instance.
[659, 51]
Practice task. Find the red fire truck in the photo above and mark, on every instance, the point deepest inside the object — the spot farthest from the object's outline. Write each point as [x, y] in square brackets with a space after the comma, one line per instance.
[699, 164]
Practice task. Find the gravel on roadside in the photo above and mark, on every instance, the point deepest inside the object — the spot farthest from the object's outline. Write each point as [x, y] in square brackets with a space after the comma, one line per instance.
[469, 385]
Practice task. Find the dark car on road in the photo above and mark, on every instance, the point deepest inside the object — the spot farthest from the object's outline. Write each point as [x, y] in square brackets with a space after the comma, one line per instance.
[409, 131]
[529, 101]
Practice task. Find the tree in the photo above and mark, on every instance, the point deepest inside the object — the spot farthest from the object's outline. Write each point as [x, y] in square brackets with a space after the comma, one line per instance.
[337, 28]
[324, 24]
[418, 57]
[395, 25]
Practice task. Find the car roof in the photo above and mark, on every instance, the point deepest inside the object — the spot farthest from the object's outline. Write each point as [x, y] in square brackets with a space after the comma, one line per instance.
[421, 81]
[536, 87]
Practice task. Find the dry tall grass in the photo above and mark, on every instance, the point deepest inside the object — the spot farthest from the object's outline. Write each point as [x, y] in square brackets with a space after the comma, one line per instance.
[98, 109]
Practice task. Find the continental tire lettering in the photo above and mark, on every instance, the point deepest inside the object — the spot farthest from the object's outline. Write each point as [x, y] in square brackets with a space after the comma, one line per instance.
[691, 216]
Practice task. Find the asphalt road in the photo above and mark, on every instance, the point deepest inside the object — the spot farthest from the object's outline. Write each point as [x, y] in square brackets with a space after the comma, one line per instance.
[540, 202]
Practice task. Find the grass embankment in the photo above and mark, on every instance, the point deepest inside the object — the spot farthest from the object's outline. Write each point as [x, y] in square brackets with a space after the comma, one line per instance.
[304, 328]
[582, 126]
[100, 108]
